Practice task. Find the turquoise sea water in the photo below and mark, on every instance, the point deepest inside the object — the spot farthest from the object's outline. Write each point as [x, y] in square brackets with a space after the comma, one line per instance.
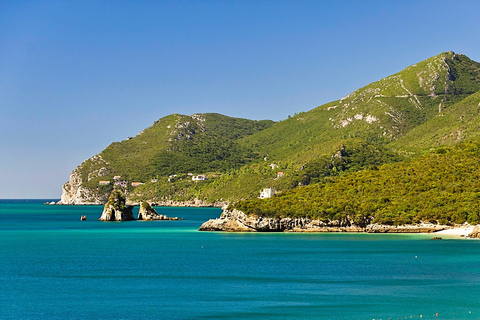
[54, 266]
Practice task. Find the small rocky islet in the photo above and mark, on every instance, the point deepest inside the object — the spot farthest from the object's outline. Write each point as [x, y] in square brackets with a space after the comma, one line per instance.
[116, 210]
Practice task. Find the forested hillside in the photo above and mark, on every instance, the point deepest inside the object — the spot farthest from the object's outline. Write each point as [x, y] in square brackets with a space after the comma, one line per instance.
[441, 186]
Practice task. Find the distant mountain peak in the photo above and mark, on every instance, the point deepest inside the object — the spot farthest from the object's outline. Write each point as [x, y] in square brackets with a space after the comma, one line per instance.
[410, 97]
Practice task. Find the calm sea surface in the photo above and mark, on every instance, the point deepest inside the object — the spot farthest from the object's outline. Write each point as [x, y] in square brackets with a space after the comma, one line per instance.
[54, 266]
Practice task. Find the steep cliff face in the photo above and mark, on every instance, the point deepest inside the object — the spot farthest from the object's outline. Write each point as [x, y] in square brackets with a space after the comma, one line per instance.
[75, 191]
[147, 212]
[237, 221]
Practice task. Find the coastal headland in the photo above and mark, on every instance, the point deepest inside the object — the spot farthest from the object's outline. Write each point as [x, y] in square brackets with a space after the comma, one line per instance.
[237, 221]
[399, 155]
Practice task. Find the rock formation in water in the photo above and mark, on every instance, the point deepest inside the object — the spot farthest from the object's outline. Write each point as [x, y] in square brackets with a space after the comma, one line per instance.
[115, 208]
[147, 212]
[237, 221]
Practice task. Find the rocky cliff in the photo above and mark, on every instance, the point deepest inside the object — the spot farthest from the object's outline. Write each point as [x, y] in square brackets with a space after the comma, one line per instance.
[147, 212]
[237, 221]
[75, 192]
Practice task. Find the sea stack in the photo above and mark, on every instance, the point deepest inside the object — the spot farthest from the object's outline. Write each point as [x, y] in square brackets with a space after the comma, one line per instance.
[115, 208]
[147, 212]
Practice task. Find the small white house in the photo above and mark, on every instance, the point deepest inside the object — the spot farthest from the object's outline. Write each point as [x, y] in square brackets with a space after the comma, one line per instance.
[266, 193]
[103, 183]
[200, 177]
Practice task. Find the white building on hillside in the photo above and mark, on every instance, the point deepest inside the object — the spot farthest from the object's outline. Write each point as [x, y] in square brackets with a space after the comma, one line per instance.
[200, 177]
[266, 193]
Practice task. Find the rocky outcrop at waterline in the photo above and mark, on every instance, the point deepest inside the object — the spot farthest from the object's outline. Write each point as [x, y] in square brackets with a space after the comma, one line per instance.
[475, 232]
[147, 212]
[237, 221]
[115, 208]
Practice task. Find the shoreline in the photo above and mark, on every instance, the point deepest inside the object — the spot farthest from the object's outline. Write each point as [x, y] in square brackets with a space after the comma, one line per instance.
[237, 221]
[460, 232]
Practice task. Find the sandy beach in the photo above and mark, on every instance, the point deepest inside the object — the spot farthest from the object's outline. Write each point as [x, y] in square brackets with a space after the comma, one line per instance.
[462, 231]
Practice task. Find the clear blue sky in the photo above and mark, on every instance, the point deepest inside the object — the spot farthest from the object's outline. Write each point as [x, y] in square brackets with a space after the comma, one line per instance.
[78, 75]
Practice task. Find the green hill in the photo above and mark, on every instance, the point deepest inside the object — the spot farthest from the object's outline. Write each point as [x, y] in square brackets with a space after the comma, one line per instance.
[173, 145]
[381, 112]
[430, 104]
[178, 143]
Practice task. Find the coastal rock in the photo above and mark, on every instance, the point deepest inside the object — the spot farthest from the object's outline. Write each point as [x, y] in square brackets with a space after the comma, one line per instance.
[147, 212]
[227, 223]
[237, 221]
[475, 232]
[115, 208]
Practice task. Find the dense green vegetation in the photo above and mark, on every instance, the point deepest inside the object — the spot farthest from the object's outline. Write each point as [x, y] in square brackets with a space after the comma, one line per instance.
[117, 200]
[203, 154]
[441, 186]
[464, 76]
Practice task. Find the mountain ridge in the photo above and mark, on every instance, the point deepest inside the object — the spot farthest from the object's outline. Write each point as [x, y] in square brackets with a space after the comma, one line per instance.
[378, 122]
